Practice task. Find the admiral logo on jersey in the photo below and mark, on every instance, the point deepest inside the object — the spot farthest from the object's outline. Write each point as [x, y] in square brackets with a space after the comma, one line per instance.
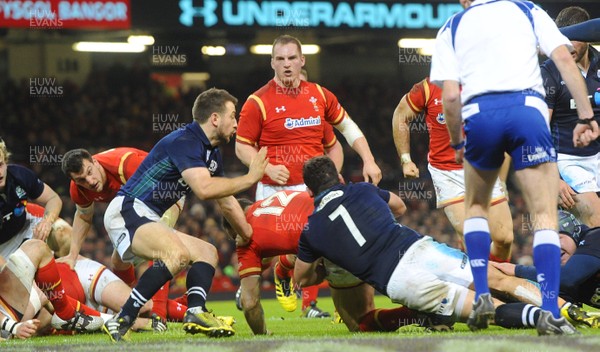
[441, 119]
[291, 123]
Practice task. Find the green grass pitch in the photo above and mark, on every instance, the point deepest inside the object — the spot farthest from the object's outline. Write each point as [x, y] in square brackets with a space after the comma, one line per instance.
[292, 333]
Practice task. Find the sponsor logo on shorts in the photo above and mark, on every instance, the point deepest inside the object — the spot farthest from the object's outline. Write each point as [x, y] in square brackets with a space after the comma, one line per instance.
[121, 238]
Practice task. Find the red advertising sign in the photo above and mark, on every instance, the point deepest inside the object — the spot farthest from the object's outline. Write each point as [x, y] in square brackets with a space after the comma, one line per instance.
[57, 14]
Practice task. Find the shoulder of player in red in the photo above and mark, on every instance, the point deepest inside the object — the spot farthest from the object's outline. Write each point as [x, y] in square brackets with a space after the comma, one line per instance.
[121, 163]
[421, 94]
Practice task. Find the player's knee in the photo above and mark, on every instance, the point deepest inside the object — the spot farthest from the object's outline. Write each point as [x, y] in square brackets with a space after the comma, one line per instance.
[210, 254]
[250, 301]
[36, 248]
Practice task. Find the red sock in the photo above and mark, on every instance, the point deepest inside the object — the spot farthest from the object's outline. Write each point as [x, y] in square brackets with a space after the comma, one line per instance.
[175, 310]
[282, 272]
[182, 299]
[127, 275]
[80, 307]
[159, 301]
[499, 260]
[48, 280]
[309, 294]
[386, 320]
[283, 260]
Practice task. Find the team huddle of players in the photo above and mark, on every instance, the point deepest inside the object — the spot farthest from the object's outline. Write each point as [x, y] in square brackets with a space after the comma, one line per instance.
[318, 227]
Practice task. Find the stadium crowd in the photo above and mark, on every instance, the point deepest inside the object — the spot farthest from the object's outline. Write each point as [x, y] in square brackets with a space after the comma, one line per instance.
[115, 107]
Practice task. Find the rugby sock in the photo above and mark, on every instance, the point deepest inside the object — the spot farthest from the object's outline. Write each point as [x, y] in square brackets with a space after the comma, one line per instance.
[80, 307]
[150, 282]
[48, 280]
[546, 258]
[517, 315]
[283, 259]
[309, 294]
[182, 299]
[159, 301]
[477, 241]
[127, 275]
[283, 269]
[386, 320]
[175, 310]
[199, 280]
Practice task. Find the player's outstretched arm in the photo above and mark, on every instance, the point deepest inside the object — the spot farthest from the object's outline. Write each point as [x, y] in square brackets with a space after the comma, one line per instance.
[82, 222]
[232, 211]
[277, 173]
[396, 205]
[358, 142]
[336, 153]
[588, 31]
[586, 129]
[452, 114]
[403, 115]
[52, 204]
[206, 187]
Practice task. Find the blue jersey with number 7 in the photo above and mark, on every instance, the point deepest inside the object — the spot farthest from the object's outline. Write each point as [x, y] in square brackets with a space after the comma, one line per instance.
[353, 226]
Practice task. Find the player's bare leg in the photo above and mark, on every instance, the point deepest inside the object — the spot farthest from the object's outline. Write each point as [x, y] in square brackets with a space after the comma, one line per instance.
[253, 310]
[500, 222]
[544, 220]
[353, 303]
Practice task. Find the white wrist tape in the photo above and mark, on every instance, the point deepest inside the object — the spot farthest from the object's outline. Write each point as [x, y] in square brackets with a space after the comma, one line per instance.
[350, 130]
[10, 325]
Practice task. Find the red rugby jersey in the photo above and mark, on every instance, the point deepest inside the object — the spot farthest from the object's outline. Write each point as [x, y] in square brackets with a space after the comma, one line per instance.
[291, 122]
[119, 164]
[427, 97]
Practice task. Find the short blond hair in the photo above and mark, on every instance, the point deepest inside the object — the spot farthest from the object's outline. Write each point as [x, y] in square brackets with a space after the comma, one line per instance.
[286, 39]
[4, 153]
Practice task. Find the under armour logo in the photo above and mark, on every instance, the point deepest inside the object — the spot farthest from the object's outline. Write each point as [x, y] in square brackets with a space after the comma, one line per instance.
[188, 12]
[437, 101]
[280, 109]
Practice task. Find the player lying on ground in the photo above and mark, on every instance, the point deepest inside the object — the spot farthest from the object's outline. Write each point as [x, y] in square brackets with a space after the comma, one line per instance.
[34, 261]
[354, 227]
[580, 259]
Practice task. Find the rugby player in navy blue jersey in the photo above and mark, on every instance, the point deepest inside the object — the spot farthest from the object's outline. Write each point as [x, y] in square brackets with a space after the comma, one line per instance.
[578, 167]
[354, 226]
[186, 160]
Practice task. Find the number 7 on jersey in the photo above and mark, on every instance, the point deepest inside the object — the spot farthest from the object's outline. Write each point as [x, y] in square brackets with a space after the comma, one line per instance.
[343, 212]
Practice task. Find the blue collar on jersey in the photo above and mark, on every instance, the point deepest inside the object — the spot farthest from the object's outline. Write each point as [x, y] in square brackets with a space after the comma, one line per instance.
[198, 131]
